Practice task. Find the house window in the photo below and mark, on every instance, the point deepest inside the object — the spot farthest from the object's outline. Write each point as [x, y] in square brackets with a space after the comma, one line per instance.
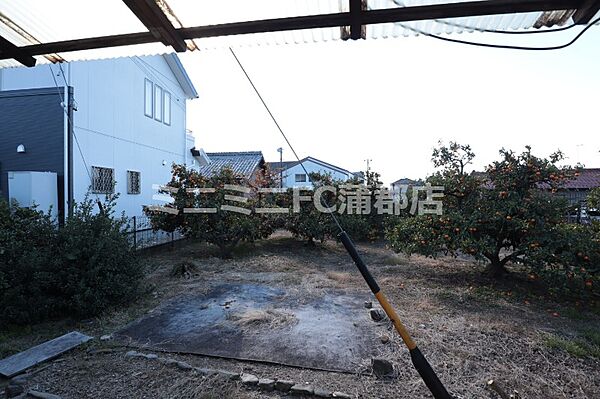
[148, 98]
[300, 177]
[133, 182]
[158, 103]
[103, 180]
[167, 108]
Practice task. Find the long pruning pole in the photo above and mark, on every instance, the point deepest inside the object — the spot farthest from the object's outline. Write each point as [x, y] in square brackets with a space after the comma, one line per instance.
[421, 364]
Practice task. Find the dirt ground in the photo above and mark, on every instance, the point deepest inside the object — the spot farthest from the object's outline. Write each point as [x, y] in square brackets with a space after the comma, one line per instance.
[470, 328]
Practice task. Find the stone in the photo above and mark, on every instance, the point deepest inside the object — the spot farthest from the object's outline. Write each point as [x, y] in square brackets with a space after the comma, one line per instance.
[151, 356]
[228, 375]
[322, 393]
[13, 390]
[368, 304]
[284, 385]
[132, 354]
[342, 395]
[106, 337]
[302, 389]
[249, 379]
[266, 384]
[184, 366]
[382, 368]
[384, 339]
[377, 315]
[41, 395]
[19, 379]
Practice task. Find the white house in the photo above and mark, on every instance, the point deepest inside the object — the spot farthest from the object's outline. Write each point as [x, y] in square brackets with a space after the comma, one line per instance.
[95, 123]
[292, 174]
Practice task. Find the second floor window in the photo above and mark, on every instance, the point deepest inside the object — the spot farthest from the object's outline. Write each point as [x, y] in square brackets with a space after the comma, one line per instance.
[157, 102]
[300, 178]
[148, 103]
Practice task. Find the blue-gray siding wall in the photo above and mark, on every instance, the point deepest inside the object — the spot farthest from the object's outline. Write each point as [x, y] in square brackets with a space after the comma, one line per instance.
[35, 119]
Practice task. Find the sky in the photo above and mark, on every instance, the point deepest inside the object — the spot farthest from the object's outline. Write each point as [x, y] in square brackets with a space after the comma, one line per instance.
[392, 100]
[386, 100]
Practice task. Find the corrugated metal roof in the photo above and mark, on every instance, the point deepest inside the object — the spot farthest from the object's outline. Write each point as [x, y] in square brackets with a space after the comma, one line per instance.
[47, 21]
[242, 163]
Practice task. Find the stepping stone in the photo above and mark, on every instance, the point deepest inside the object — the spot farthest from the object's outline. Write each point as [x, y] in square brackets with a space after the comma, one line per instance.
[302, 389]
[266, 384]
[21, 361]
[249, 379]
[284, 385]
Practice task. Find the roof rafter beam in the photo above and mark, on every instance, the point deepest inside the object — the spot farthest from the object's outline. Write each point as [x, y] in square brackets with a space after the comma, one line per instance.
[586, 11]
[403, 14]
[150, 14]
[18, 54]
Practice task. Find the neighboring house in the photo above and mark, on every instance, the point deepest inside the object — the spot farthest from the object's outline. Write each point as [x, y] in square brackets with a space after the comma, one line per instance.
[105, 125]
[577, 190]
[292, 174]
[401, 186]
[246, 164]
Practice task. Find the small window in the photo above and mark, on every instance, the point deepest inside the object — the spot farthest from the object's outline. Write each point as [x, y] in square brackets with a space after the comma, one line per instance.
[158, 103]
[148, 98]
[167, 108]
[103, 180]
[133, 182]
[300, 177]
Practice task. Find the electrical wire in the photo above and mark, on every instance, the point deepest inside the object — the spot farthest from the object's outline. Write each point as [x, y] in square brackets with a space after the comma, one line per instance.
[505, 32]
[64, 106]
[504, 46]
[507, 46]
[329, 210]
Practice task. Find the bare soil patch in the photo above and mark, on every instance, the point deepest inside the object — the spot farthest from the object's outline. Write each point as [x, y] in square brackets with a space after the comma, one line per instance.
[470, 328]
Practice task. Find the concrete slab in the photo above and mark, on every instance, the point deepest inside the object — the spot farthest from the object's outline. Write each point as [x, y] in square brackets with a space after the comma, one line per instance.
[331, 331]
[21, 361]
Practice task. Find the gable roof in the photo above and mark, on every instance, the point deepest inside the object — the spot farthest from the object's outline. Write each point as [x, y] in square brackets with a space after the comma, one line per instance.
[242, 163]
[290, 164]
[587, 179]
[181, 75]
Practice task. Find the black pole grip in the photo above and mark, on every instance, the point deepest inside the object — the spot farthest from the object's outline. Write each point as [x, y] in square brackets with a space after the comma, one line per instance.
[362, 267]
[428, 375]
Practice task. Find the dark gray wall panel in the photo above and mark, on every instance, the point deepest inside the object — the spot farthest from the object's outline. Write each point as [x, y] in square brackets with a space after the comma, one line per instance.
[35, 119]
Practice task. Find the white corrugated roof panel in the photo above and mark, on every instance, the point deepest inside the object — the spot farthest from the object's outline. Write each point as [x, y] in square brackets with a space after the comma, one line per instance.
[25, 22]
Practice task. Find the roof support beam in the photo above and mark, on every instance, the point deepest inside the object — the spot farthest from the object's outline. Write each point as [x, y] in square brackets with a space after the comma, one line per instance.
[587, 11]
[403, 14]
[150, 14]
[355, 17]
[18, 54]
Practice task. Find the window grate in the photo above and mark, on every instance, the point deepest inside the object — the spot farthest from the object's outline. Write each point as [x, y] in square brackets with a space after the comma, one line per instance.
[133, 182]
[103, 180]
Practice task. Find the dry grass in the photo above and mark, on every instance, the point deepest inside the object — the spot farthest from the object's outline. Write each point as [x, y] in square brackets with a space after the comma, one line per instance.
[340, 277]
[256, 318]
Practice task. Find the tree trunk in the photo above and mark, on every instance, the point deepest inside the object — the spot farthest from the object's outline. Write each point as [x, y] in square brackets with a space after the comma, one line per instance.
[496, 267]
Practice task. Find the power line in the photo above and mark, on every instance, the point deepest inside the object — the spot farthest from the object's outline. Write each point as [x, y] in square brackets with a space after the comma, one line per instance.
[65, 106]
[329, 209]
[505, 32]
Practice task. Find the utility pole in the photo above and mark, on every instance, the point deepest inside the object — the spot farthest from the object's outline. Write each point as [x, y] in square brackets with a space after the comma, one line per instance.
[368, 161]
[280, 151]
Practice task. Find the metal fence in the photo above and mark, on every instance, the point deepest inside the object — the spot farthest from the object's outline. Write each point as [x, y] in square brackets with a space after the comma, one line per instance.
[144, 236]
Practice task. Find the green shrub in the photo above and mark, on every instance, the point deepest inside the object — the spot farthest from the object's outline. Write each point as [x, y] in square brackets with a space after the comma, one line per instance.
[98, 267]
[78, 270]
[27, 239]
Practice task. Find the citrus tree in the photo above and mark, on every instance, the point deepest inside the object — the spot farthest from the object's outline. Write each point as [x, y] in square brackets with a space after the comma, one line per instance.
[507, 214]
[203, 208]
